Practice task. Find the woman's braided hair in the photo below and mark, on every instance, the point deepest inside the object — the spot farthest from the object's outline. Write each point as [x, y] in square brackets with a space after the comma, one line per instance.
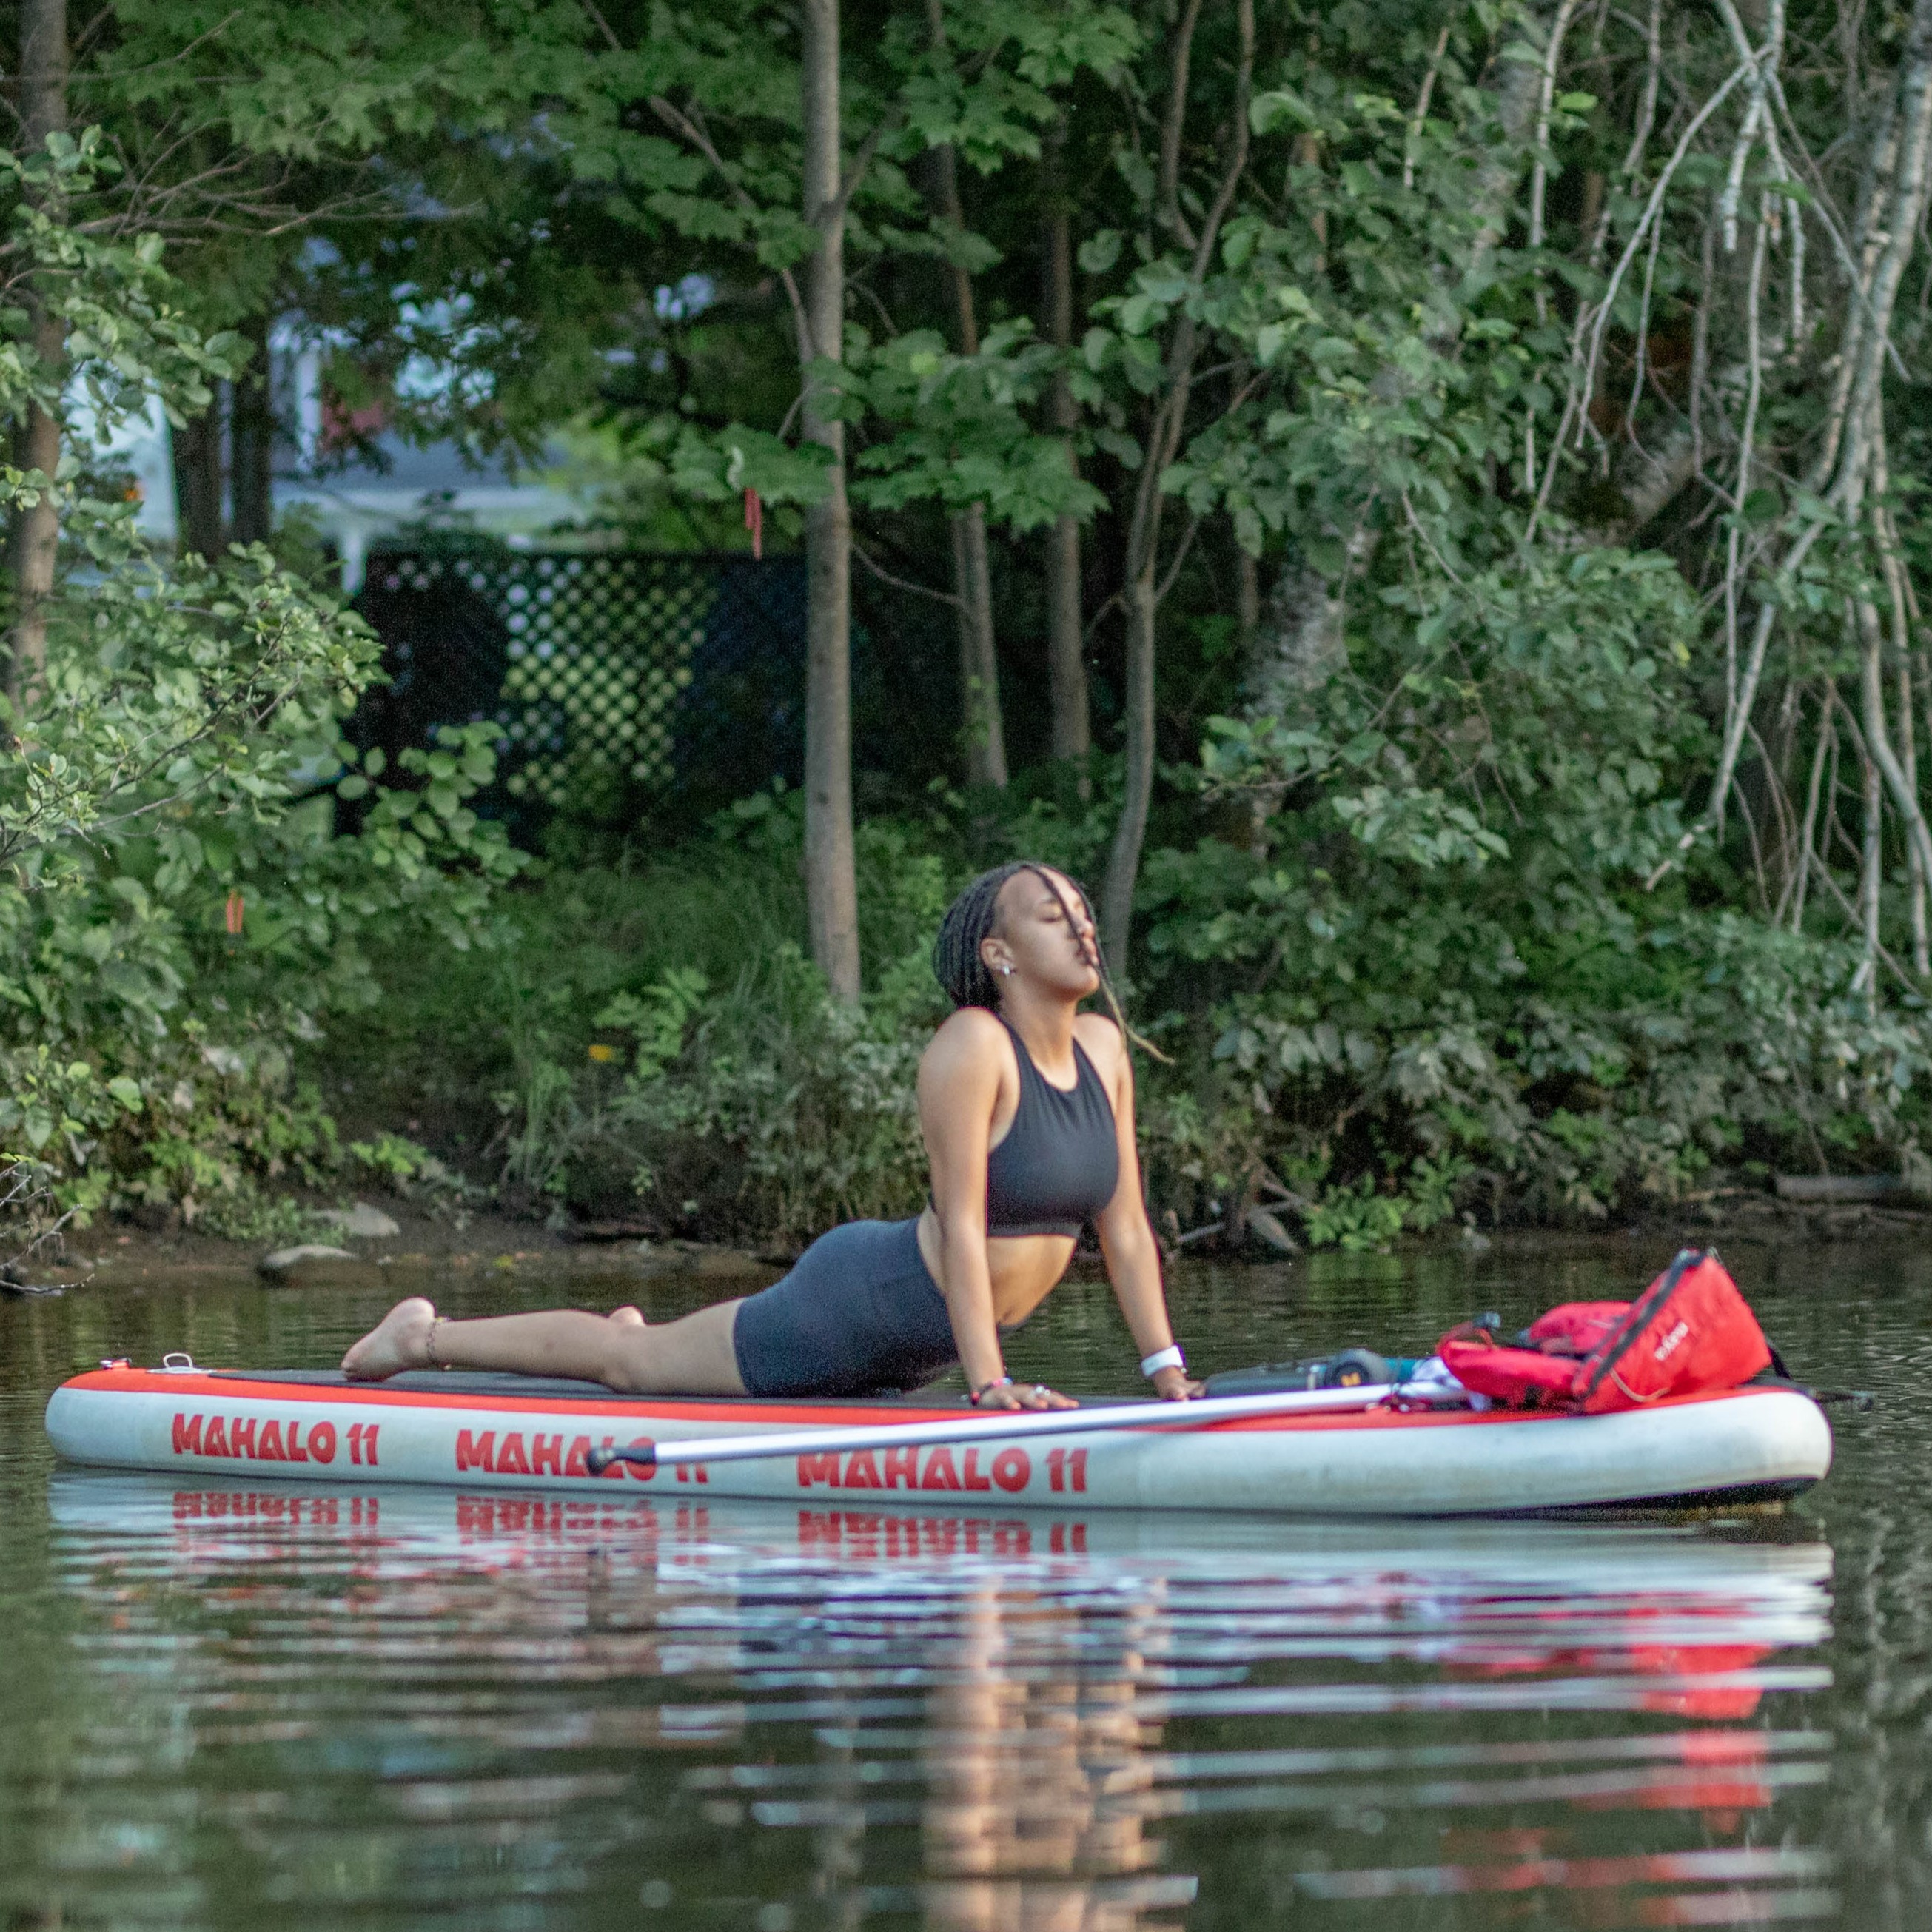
[957, 963]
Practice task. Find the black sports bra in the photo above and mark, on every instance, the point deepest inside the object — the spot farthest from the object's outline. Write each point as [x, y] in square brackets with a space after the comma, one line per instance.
[1061, 1162]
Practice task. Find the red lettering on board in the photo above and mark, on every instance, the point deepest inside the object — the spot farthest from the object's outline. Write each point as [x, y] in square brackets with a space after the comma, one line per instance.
[1013, 1469]
[475, 1452]
[818, 1469]
[902, 1466]
[241, 1435]
[546, 1451]
[215, 1442]
[974, 1480]
[940, 1473]
[187, 1434]
[861, 1471]
[321, 1442]
[512, 1459]
[269, 1449]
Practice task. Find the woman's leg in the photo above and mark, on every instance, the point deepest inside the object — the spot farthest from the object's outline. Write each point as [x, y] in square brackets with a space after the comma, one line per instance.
[691, 1356]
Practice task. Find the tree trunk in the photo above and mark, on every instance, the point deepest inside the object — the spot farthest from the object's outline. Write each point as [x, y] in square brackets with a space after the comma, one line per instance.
[1247, 602]
[1066, 653]
[831, 882]
[979, 662]
[199, 479]
[1167, 433]
[1123, 859]
[36, 535]
[252, 443]
[972, 574]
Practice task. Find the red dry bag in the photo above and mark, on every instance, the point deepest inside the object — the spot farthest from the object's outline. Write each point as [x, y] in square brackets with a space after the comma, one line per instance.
[1690, 1332]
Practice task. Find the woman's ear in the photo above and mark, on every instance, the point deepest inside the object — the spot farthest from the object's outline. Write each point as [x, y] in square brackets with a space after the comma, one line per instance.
[996, 958]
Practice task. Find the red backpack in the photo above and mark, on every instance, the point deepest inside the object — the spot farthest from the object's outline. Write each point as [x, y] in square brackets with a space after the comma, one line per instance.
[1691, 1331]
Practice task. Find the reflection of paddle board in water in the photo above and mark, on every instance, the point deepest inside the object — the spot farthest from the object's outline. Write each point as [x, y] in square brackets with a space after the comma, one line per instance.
[531, 1434]
[1692, 1615]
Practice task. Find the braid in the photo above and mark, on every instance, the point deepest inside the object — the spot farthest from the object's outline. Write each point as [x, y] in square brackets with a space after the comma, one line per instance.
[969, 921]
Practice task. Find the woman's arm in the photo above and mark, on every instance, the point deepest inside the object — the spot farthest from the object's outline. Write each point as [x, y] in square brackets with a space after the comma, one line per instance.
[958, 1091]
[1126, 1240]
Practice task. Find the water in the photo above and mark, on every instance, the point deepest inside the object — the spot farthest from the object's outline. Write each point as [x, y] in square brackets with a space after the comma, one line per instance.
[242, 1707]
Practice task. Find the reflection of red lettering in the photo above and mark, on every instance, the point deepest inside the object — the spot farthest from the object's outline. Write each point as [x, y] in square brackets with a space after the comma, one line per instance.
[475, 1452]
[321, 1442]
[187, 1434]
[1065, 1537]
[974, 1480]
[512, 1459]
[546, 1451]
[818, 1469]
[940, 1473]
[1013, 1469]
[902, 1466]
[1011, 1539]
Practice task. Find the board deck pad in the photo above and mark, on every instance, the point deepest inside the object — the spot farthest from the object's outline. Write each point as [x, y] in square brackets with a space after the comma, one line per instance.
[503, 1382]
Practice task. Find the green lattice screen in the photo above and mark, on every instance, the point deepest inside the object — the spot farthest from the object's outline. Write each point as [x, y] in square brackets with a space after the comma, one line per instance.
[598, 647]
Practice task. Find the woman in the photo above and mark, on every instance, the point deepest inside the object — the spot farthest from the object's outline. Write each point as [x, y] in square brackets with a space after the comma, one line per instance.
[1027, 1105]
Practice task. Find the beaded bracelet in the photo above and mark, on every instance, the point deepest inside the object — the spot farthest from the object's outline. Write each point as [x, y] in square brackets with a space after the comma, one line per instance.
[985, 1388]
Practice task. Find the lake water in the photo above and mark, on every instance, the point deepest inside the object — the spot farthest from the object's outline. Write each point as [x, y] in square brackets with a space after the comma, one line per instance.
[242, 1707]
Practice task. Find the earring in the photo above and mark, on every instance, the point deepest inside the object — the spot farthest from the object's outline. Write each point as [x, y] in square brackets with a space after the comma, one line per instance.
[1008, 971]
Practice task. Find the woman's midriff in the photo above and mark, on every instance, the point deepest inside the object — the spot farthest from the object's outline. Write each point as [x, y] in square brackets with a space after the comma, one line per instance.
[1025, 1268]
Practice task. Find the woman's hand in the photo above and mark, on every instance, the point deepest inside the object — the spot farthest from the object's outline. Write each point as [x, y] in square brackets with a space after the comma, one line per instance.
[1173, 1385]
[1023, 1395]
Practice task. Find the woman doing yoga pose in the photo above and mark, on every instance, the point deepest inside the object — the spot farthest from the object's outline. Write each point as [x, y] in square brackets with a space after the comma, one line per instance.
[1027, 1105]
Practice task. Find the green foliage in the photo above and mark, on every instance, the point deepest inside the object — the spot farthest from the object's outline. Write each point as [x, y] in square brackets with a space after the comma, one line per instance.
[158, 788]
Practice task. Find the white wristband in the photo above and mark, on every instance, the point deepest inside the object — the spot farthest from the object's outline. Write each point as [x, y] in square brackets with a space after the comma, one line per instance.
[1168, 1357]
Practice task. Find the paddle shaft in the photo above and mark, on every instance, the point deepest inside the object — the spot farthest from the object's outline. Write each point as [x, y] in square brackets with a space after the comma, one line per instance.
[1006, 1427]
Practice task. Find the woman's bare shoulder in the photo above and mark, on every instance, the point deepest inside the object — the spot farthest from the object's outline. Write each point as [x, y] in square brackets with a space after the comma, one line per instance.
[1101, 1037]
[971, 1036]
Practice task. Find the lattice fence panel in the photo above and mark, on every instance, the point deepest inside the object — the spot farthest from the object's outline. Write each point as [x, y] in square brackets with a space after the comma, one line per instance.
[598, 647]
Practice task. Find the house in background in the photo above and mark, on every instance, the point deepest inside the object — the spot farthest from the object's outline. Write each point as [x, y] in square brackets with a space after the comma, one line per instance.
[353, 504]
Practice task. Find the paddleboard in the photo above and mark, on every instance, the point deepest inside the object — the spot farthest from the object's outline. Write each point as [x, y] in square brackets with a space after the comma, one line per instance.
[529, 1434]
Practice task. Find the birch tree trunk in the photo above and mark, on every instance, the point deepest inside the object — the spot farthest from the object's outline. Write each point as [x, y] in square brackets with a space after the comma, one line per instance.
[831, 883]
[1066, 653]
[36, 533]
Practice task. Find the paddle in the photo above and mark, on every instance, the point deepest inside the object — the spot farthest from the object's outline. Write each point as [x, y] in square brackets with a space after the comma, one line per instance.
[1001, 1427]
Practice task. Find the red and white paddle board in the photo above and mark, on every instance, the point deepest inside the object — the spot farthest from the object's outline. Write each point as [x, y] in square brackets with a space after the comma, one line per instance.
[513, 1432]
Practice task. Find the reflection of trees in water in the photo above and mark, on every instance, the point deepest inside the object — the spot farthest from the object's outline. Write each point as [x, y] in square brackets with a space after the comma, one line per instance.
[1040, 1780]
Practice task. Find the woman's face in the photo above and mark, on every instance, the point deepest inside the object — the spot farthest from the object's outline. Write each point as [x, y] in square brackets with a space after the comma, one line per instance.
[1030, 934]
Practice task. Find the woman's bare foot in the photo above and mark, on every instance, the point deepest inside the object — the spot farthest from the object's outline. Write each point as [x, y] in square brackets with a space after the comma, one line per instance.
[627, 1317]
[399, 1341]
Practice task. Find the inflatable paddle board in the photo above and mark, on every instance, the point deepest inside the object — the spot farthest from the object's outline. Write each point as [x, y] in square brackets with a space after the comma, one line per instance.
[1376, 1457]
